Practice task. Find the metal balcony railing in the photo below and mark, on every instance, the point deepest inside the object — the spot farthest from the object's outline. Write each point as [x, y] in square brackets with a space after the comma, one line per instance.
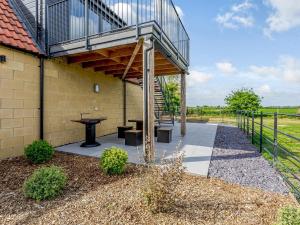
[70, 20]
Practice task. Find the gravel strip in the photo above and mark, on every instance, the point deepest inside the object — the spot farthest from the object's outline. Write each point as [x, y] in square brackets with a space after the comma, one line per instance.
[236, 160]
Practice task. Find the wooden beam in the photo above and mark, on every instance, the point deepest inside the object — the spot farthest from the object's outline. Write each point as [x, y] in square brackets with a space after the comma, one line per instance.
[183, 104]
[99, 63]
[112, 67]
[85, 58]
[100, 55]
[135, 52]
[118, 71]
[157, 73]
[121, 53]
[108, 62]
[97, 60]
[170, 73]
[104, 52]
[161, 62]
[137, 64]
[166, 71]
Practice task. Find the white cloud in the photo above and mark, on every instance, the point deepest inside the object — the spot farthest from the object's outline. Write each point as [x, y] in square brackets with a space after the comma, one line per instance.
[290, 68]
[264, 89]
[179, 11]
[197, 77]
[287, 69]
[226, 67]
[264, 70]
[242, 7]
[285, 15]
[279, 83]
[238, 16]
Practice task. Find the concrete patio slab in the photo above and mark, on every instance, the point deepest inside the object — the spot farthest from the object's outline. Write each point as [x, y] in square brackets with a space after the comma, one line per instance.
[196, 146]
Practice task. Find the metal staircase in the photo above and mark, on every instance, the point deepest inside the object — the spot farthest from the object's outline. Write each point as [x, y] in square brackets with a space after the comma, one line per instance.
[163, 109]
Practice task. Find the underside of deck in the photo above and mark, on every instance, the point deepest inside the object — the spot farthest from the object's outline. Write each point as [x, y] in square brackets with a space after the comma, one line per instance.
[120, 54]
[114, 61]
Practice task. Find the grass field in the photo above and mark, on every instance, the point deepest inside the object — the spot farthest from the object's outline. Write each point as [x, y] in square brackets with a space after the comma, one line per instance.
[285, 110]
[288, 151]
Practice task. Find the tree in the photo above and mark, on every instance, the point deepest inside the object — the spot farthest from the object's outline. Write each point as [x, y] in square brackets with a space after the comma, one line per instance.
[174, 94]
[243, 99]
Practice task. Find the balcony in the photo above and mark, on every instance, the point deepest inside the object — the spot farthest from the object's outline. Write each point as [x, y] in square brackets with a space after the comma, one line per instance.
[79, 26]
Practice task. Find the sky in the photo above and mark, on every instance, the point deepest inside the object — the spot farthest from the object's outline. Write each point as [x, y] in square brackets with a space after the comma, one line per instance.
[243, 43]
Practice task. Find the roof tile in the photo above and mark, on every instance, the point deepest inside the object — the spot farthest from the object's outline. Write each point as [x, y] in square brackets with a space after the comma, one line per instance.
[12, 31]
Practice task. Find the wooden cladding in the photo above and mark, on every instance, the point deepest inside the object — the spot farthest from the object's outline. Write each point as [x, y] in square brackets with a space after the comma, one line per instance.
[125, 59]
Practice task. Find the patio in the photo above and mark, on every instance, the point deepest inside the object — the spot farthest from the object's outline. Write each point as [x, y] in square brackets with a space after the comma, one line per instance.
[197, 148]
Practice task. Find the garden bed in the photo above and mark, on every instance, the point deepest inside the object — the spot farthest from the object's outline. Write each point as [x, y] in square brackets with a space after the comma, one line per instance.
[91, 197]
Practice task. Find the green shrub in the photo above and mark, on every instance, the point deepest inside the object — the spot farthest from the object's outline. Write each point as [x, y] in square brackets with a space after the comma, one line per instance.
[289, 216]
[39, 152]
[45, 183]
[113, 160]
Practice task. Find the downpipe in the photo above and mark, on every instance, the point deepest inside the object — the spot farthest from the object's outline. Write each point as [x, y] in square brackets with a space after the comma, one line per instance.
[42, 79]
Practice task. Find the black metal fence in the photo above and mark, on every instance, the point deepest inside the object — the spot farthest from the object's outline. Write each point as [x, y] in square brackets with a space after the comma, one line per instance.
[278, 138]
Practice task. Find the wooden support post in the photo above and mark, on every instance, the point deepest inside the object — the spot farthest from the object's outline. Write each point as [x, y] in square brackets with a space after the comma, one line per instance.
[148, 95]
[183, 104]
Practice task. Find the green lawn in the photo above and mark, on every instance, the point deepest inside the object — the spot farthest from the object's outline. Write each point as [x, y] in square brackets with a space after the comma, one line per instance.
[286, 110]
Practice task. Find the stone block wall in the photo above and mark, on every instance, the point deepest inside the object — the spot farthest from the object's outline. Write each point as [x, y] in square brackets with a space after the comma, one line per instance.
[19, 101]
[68, 92]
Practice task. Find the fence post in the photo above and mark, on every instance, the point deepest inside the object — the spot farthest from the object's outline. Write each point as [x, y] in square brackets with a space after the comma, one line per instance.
[239, 119]
[261, 133]
[253, 127]
[248, 115]
[275, 147]
[242, 121]
[244, 118]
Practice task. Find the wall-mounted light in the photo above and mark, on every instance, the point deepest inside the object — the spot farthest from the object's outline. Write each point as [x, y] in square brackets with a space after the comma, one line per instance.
[2, 58]
[96, 88]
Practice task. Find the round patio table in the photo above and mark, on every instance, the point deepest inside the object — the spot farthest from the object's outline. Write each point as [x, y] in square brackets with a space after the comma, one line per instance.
[90, 131]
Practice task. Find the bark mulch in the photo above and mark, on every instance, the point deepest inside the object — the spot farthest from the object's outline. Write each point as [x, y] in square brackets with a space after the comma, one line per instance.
[94, 198]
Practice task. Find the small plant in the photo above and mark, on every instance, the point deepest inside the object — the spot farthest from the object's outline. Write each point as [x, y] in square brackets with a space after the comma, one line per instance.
[160, 186]
[289, 216]
[45, 183]
[113, 160]
[39, 152]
